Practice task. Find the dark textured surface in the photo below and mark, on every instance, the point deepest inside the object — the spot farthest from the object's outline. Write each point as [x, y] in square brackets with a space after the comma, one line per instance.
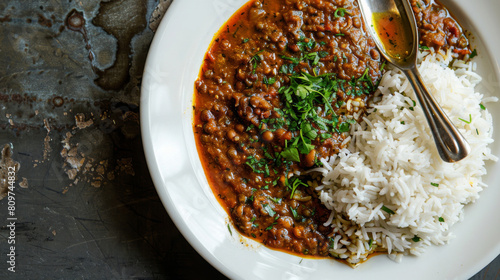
[90, 210]
[59, 59]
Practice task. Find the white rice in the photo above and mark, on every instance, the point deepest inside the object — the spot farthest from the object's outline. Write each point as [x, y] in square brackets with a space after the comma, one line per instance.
[391, 162]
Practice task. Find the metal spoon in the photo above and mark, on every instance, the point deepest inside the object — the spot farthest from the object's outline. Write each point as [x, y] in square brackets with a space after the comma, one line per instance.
[392, 25]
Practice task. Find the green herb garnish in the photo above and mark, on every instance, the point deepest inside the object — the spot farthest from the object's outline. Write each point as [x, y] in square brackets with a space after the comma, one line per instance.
[344, 127]
[467, 122]
[382, 66]
[275, 200]
[387, 210]
[294, 213]
[291, 154]
[274, 223]
[340, 12]
[473, 54]
[423, 47]
[306, 43]
[268, 81]
[295, 184]
[269, 210]
[323, 54]
[257, 165]
[254, 60]
[325, 135]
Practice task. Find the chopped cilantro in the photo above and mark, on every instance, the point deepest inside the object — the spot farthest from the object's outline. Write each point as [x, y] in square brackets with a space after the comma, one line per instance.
[382, 66]
[325, 135]
[322, 54]
[269, 210]
[314, 57]
[292, 59]
[473, 54]
[255, 59]
[295, 184]
[269, 81]
[258, 166]
[294, 213]
[275, 200]
[340, 12]
[274, 223]
[291, 154]
[306, 43]
[387, 210]
[423, 47]
[344, 127]
[467, 122]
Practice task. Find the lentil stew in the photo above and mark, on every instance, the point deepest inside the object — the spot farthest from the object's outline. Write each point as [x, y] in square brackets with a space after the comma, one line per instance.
[278, 90]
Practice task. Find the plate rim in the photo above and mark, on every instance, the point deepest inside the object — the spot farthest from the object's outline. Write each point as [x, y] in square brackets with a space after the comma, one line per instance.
[155, 172]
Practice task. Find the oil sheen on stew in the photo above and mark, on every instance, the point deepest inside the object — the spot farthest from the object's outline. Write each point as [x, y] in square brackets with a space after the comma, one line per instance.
[279, 88]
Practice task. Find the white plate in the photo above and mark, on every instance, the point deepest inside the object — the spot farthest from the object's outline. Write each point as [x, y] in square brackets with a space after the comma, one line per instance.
[172, 67]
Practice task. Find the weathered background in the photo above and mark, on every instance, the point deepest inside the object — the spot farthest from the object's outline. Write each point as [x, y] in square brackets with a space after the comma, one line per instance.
[70, 76]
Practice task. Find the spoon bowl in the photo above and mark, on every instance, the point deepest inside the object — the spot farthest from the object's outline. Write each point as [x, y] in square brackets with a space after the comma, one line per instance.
[392, 25]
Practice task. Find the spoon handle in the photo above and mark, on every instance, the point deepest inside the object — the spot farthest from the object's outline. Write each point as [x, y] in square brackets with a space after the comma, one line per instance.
[451, 145]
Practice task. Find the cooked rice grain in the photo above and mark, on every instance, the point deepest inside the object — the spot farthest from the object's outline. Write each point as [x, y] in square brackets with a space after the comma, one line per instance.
[391, 165]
